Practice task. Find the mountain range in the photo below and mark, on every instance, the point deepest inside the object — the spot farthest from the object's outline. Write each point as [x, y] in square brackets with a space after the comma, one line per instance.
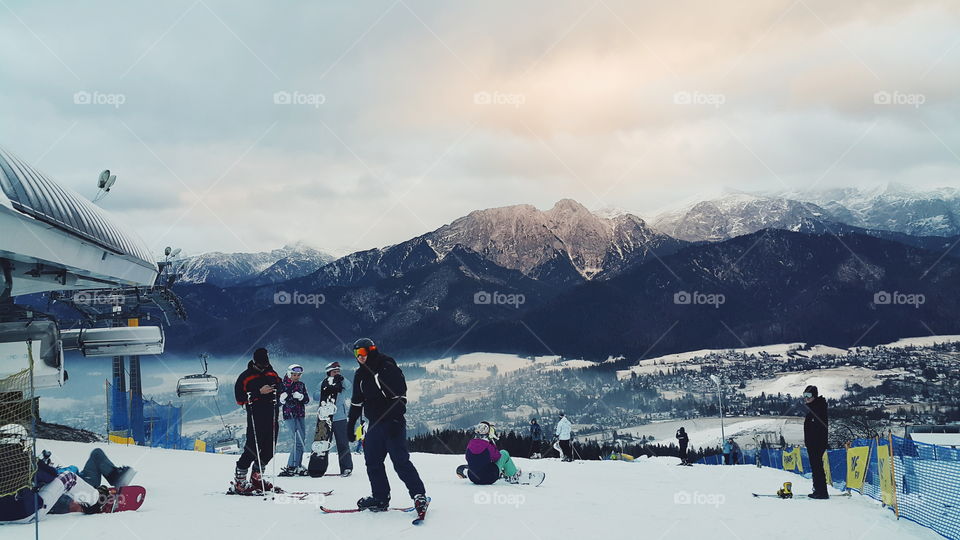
[591, 284]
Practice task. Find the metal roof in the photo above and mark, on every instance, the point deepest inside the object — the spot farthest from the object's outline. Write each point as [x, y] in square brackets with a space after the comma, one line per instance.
[38, 196]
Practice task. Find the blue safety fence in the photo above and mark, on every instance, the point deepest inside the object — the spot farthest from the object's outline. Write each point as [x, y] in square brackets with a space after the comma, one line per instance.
[926, 478]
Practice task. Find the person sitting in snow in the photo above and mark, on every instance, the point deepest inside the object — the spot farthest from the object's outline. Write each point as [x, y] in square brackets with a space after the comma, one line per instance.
[53, 490]
[485, 463]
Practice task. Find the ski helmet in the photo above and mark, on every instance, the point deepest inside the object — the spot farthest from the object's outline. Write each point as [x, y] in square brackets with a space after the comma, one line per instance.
[332, 366]
[363, 346]
[294, 368]
[486, 430]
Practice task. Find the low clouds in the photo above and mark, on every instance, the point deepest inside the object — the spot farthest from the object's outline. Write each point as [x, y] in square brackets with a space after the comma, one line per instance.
[402, 116]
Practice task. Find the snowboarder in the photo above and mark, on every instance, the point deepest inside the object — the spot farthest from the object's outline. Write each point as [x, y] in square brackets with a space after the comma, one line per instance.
[45, 489]
[293, 399]
[486, 464]
[683, 440]
[815, 437]
[564, 432]
[256, 390]
[536, 438]
[332, 388]
[379, 392]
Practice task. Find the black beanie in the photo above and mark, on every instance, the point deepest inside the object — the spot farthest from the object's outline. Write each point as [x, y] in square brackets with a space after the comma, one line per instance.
[812, 389]
[260, 357]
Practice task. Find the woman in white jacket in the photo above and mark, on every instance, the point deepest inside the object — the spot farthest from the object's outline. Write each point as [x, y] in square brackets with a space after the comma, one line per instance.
[563, 432]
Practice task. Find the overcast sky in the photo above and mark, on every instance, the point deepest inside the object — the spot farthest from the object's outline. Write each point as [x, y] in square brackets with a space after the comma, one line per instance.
[354, 126]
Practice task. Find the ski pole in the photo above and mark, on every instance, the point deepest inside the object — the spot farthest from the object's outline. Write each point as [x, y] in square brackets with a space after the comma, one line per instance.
[256, 443]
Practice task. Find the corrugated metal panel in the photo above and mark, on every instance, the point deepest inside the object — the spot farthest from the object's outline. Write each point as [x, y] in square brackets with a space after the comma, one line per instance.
[33, 193]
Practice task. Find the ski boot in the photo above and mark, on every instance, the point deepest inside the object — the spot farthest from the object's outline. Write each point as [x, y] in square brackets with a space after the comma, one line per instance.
[786, 491]
[287, 471]
[259, 482]
[346, 473]
[374, 505]
[240, 484]
[420, 502]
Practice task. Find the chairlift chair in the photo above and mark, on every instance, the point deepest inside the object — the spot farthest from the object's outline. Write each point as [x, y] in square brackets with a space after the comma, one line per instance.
[199, 385]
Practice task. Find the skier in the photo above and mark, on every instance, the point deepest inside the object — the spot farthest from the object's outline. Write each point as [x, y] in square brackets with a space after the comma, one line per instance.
[727, 449]
[734, 452]
[379, 392]
[256, 390]
[332, 388]
[815, 437]
[683, 440]
[46, 487]
[563, 431]
[486, 464]
[536, 438]
[294, 398]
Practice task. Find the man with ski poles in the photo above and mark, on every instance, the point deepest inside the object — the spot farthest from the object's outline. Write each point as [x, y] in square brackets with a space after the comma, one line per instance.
[255, 390]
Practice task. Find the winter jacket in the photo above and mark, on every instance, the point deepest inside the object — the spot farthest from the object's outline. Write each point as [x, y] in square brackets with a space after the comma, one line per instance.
[815, 424]
[23, 503]
[536, 432]
[727, 447]
[247, 388]
[482, 456]
[682, 437]
[564, 428]
[379, 391]
[292, 407]
[342, 386]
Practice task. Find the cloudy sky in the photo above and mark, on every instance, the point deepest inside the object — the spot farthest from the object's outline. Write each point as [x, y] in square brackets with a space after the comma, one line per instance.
[353, 126]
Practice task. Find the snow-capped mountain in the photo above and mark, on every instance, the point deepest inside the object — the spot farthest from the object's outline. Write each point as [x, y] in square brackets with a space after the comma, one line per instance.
[892, 207]
[565, 244]
[227, 269]
[739, 214]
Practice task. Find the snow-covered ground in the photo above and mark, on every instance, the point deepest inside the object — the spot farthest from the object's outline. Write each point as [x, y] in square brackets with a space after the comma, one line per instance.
[649, 498]
[829, 382]
[652, 365]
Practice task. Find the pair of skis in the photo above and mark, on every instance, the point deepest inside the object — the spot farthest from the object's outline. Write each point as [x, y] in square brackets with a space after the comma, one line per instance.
[417, 521]
[846, 494]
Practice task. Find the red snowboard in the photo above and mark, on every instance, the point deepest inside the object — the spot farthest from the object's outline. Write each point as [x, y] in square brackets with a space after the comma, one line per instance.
[124, 499]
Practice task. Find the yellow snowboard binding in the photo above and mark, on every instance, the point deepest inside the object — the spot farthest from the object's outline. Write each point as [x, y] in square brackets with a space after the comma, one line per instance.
[786, 491]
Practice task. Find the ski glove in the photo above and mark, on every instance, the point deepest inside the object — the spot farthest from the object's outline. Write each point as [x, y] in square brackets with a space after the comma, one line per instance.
[283, 397]
[298, 396]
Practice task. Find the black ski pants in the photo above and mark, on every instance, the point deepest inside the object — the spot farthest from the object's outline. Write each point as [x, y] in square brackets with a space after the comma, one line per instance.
[262, 429]
[815, 453]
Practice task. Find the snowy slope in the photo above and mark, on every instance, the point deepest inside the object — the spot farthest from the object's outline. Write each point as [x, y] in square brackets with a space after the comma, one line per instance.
[645, 499]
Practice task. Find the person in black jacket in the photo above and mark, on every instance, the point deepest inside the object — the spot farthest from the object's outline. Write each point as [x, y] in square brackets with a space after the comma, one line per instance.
[815, 437]
[256, 390]
[683, 440]
[379, 393]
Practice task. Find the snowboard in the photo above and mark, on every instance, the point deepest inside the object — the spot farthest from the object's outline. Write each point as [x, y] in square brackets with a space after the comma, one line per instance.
[802, 497]
[125, 499]
[322, 441]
